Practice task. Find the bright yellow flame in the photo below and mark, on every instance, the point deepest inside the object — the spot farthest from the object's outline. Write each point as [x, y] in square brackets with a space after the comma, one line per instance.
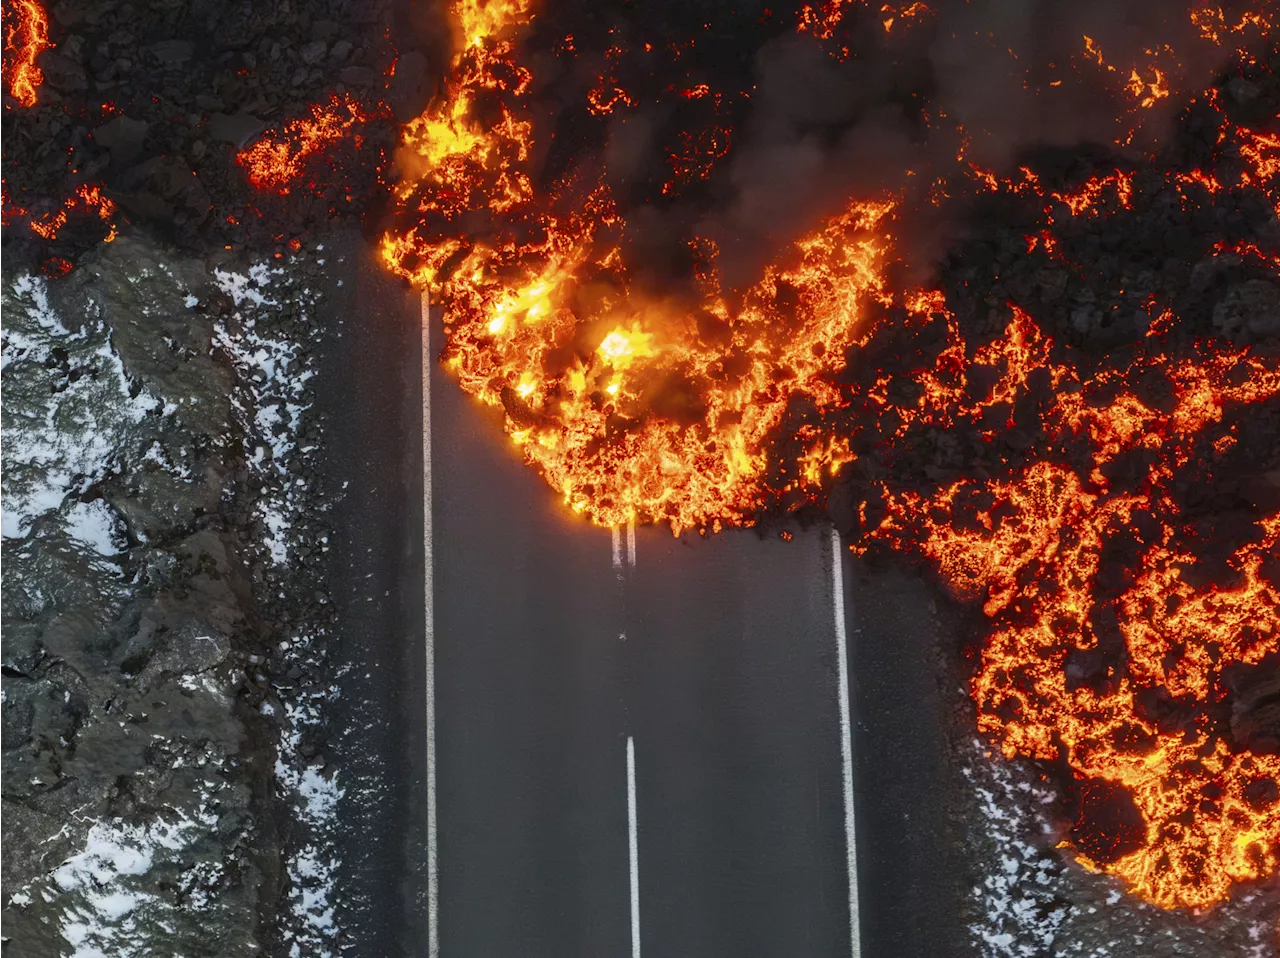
[621, 347]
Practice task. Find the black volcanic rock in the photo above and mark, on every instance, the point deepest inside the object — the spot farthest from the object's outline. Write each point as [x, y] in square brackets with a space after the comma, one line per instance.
[172, 53]
[237, 129]
[1249, 311]
[411, 87]
[63, 73]
[123, 137]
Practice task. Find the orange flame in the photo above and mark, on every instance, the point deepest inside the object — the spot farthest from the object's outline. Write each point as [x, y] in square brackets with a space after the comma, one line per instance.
[631, 407]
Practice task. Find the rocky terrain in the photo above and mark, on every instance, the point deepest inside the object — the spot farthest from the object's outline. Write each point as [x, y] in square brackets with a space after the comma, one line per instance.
[165, 673]
[152, 101]
[165, 782]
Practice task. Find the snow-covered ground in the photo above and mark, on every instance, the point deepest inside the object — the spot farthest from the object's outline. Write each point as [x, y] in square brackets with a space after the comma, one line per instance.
[111, 917]
[55, 447]
[80, 418]
[77, 423]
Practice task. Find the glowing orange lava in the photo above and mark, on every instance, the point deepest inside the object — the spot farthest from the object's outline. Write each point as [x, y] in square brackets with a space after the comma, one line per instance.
[1031, 549]
[823, 19]
[86, 199]
[26, 36]
[277, 160]
[631, 406]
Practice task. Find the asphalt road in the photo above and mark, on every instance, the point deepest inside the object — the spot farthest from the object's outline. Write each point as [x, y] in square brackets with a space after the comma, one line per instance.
[555, 642]
[637, 740]
[372, 399]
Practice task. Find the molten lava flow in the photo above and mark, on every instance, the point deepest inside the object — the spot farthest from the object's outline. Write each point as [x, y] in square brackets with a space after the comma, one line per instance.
[630, 405]
[280, 158]
[1113, 666]
[651, 409]
[1073, 662]
[26, 36]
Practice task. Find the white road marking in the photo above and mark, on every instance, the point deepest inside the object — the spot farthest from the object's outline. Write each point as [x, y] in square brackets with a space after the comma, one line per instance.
[433, 874]
[846, 743]
[633, 846]
[617, 548]
[631, 543]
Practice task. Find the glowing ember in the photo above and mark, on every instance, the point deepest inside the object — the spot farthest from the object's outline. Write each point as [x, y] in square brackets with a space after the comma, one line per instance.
[26, 36]
[86, 199]
[823, 19]
[1216, 27]
[280, 158]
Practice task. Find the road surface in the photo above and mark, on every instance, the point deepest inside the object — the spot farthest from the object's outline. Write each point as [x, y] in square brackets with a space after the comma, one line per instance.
[639, 745]
[370, 392]
[557, 644]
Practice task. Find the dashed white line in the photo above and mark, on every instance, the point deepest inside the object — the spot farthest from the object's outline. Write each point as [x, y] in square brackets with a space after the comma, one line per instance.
[631, 543]
[433, 876]
[846, 742]
[617, 548]
[633, 847]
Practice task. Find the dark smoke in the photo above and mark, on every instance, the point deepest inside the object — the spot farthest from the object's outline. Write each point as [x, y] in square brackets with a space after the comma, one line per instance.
[815, 123]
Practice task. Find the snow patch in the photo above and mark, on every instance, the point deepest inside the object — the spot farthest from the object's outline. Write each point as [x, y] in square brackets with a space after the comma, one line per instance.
[271, 400]
[275, 379]
[108, 913]
[76, 412]
[96, 525]
[1021, 916]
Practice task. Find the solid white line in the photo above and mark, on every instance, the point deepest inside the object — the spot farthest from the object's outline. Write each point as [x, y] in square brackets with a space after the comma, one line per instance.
[846, 742]
[617, 548]
[433, 876]
[633, 847]
[631, 543]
